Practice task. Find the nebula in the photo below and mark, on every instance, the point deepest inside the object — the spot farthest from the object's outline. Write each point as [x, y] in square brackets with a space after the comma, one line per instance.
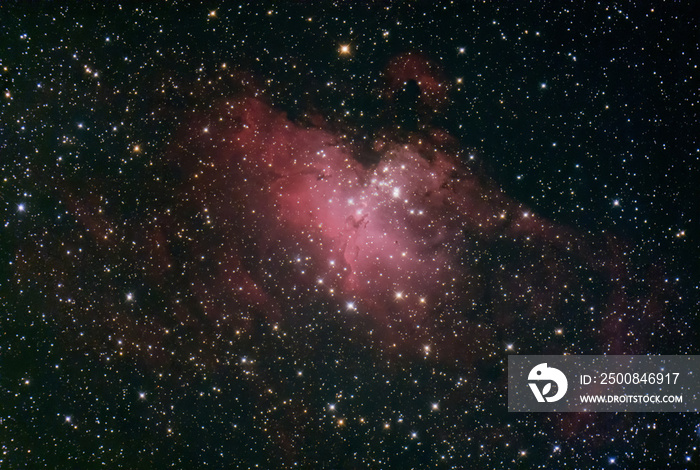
[417, 252]
[403, 247]
[308, 235]
[272, 243]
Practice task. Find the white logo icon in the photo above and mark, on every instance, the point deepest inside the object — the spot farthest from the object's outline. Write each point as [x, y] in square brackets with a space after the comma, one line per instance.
[542, 373]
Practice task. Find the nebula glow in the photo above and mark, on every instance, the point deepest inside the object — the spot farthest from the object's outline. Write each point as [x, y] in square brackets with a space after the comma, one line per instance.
[398, 246]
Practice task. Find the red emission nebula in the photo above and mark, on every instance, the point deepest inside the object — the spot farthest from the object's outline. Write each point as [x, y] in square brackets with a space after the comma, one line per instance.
[276, 229]
[397, 248]
[312, 235]
[417, 253]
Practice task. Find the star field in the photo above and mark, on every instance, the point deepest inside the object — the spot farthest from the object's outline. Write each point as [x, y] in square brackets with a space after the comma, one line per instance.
[309, 234]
